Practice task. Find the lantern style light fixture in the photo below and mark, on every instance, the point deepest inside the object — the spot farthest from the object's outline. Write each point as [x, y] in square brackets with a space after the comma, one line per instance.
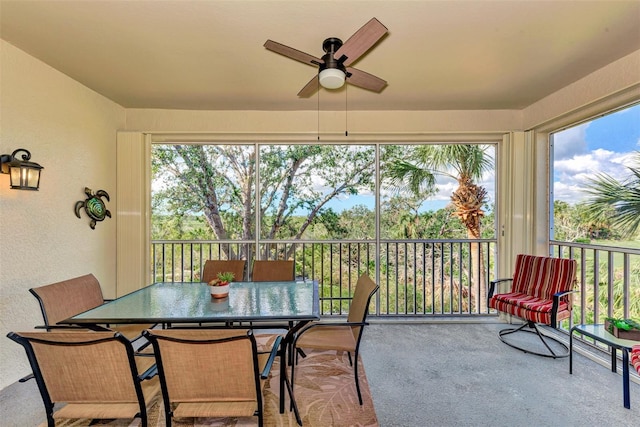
[24, 175]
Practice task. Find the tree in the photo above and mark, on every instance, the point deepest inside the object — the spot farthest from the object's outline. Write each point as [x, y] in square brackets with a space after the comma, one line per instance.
[219, 182]
[573, 223]
[623, 196]
[463, 162]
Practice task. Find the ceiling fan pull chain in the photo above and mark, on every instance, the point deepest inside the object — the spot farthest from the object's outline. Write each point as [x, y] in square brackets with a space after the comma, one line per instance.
[346, 111]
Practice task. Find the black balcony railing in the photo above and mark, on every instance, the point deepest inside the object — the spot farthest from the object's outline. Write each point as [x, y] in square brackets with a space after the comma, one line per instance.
[608, 280]
[419, 278]
[416, 277]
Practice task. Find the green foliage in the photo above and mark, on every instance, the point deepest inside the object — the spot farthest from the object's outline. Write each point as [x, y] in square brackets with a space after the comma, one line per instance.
[616, 201]
[180, 227]
[217, 183]
[573, 223]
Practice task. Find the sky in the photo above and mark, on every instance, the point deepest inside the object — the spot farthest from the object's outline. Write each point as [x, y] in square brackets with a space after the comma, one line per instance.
[604, 145]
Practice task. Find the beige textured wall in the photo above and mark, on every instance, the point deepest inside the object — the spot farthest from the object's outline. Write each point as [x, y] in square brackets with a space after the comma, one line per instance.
[608, 87]
[330, 124]
[71, 131]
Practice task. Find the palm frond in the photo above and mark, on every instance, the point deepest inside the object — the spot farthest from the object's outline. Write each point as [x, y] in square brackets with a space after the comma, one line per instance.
[607, 192]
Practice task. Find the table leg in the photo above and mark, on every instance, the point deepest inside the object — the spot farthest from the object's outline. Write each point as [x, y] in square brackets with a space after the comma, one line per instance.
[287, 352]
[625, 378]
[614, 359]
[283, 372]
[571, 351]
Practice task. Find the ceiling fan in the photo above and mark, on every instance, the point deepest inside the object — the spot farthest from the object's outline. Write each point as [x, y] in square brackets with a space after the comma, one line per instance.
[333, 67]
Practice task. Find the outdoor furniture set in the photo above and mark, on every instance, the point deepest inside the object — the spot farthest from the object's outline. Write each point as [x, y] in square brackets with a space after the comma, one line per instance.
[98, 372]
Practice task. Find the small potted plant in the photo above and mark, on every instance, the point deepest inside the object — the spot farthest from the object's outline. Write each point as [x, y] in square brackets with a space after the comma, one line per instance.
[219, 286]
[623, 328]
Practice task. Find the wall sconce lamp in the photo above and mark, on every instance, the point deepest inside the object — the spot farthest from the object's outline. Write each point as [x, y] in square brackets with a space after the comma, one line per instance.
[24, 175]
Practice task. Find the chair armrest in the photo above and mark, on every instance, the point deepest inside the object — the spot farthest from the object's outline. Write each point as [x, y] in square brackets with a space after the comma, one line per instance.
[274, 352]
[556, 305]
[492, 286]
[51, 327]
[329, 324]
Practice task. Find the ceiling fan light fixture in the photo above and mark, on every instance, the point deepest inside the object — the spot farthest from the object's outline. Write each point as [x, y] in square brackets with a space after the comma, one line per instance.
[332, 78]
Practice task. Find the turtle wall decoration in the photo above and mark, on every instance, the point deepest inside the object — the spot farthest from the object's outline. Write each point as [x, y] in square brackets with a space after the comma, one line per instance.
[94, 206]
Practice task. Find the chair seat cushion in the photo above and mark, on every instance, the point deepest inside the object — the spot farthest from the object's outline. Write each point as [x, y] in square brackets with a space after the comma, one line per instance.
[150, 388]
[635, 357]
[528, 307]
[328, 338]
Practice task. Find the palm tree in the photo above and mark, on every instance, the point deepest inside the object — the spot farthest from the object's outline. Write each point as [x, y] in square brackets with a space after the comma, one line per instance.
[463, 162]
[616, 200]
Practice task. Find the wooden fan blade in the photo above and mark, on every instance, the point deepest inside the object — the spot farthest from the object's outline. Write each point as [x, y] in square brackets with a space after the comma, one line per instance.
[365, 80]
[361, 41]
[310, 88]
[292, 53]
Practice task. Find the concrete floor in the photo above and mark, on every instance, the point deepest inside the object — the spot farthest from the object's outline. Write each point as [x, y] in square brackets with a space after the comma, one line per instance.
[451, 374]
[457, 374]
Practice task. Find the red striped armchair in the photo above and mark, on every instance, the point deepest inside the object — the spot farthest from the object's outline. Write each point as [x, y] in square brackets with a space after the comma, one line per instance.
[540, 294]
[635, 357]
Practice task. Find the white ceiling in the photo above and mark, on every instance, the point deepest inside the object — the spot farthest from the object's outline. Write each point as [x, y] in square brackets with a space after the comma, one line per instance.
[209, 54]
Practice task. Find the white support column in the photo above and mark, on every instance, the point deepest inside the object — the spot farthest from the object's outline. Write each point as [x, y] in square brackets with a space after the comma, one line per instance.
[133, 193]
[543, 199]
[516, 192]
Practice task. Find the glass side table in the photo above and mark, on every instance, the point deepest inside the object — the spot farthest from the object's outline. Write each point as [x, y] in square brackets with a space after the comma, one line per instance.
[600, 334]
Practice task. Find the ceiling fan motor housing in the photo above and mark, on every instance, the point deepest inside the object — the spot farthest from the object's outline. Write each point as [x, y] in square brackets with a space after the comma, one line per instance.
[331, 46]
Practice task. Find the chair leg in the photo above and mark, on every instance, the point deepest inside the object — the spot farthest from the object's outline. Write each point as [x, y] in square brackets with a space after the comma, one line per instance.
[355, 372]
[294, 360]
[292, 405]
[533, 329]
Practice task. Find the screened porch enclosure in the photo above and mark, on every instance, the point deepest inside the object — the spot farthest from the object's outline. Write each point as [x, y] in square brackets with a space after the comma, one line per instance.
[419, 217]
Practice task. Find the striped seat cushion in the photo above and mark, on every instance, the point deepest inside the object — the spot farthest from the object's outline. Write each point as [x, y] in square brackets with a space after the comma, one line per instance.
[528, 307]
[635, 357]
[535, 280]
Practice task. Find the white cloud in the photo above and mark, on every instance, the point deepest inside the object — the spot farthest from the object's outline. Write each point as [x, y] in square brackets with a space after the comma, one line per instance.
[570, 142]
[572, 175]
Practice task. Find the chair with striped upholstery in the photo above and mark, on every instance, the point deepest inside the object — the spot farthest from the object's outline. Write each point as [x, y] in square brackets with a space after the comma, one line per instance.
[635, 357]
[541, 293]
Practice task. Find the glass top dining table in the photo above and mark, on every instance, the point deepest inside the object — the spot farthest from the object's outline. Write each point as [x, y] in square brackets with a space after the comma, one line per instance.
[187, 302]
